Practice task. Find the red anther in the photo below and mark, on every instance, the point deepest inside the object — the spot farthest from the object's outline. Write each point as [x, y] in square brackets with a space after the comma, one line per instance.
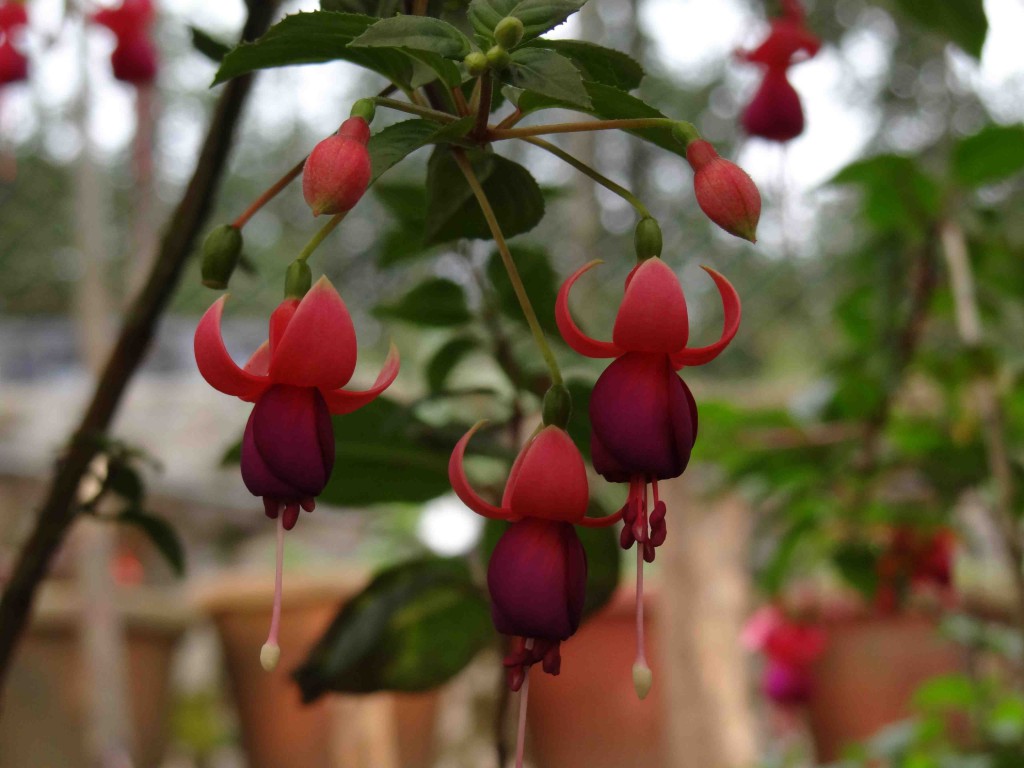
[626, 537]
[658, 513]
[271, 507]
[516, 677]
[553, 660]
[291, 516]
[308, 504]
[658, 535]
[648, 552]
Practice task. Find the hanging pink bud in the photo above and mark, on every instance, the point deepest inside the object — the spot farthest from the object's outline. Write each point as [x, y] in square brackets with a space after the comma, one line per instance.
[338, 171]
[129, 19]
[775, 113]
[726, 194]
[13, 64]
[13, 15]
[134, 60]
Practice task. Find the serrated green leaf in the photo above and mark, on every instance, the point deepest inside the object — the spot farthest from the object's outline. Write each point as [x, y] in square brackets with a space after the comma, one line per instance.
[609, 103]
[209, 46]
[534, 266]
[436, 302]
[396, 142]
[413, 628]
[963, 22]
[314, 38]
[453, 211]
[125, 481]
[440, 67]
[596, 63]
[538, 16]
[547, 73]
[444, 360]
[416, 33]
[162, 534]
[379, 8]
[994, 153]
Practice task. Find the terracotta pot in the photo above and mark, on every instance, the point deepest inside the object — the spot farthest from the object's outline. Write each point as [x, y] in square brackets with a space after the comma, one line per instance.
[334, 732]
[868, 674]
[44, 719]
[589, 716]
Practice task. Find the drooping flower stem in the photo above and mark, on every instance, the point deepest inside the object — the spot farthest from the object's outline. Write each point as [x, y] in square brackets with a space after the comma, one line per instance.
[320, 236]
[273, 191]
[270, 653]
[510, 266]
[501, 134]
[586, 170]
[524, 695]
[483, 110]
[415, 109]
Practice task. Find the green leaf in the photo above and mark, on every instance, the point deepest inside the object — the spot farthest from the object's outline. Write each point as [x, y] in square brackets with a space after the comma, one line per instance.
[209, 46]
[381, 8]
[435, 302]
[539, 279]
[416, 33]
[961, 21]
[162, 534]
[547, 73]
[396, 142]
[949, 692]
[857, 563]
[898, 194]
[315, 38]
[125, 481]
[596, 63]
[608, 103]
[995, 153]
[579, 420]
[452, 209]
[538, 16]
[445, 70]
[407, 204]
[413, 628]
[384, 454]
[451, 353]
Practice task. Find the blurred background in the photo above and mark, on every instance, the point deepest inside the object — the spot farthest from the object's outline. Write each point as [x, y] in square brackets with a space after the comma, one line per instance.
[855, 488]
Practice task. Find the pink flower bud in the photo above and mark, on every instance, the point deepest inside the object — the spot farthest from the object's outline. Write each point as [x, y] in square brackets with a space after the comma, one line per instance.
[726, 194]
[337, 172]
[134, 60]
[775, 113]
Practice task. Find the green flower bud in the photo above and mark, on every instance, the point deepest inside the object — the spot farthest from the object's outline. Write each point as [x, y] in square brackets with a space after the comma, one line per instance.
[509, 32]
[498, 57]
[476, 63]
[364, 108]
[221, 251]
[298, 280]
[647, 238]
[557, 406]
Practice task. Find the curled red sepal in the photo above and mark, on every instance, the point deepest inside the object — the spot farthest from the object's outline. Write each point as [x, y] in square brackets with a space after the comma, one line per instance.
[216, 365]
[342, 401]
[601, 522]
[573, 336]
[460, 483]
[732, 308]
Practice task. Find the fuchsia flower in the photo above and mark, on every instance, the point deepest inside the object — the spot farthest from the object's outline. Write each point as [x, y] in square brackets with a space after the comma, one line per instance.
[726, 194]
[775, 113]
[13, 16]
[790, 648]
[338, 171]
[538, 571]
[134, 59]
[643, 417]
[294, 379]
[13, 63]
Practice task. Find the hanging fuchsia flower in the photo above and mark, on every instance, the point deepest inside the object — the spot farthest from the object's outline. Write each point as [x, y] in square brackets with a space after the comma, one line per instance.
[790, 647]
[643, 417]
[726, 194]
[338, 171]
[775, 112]
[294, 379]
[538, 571]
[13, 16]
[13, 63]
[134, 59]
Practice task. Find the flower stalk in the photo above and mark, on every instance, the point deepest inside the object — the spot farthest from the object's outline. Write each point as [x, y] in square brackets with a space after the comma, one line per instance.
[272, 191]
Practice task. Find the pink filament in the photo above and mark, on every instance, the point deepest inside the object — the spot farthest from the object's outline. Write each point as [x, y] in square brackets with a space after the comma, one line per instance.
[275, 616]
[524, 694]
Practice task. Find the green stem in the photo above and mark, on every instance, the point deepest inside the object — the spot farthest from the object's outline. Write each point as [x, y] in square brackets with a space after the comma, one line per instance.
[586, 170]
[501, 134]
[320, 236]
[510, 266]
[414, 109]
[483, 111]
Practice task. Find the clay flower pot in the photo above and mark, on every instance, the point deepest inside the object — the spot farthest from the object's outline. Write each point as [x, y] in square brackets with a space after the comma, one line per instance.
[589, 716]
[44, 713]
[381, 730]
[867, 676]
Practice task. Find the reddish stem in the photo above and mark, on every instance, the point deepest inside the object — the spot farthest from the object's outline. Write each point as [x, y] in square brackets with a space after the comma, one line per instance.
[273, 191]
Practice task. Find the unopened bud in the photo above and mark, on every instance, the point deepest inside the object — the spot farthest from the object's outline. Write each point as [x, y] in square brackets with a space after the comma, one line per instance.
[221, 252]
[476, 63]
[509, 32]
[338, 169]
[726, 194]
[498, 57]
[647, 238]
[557, 406]
[298, 280]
